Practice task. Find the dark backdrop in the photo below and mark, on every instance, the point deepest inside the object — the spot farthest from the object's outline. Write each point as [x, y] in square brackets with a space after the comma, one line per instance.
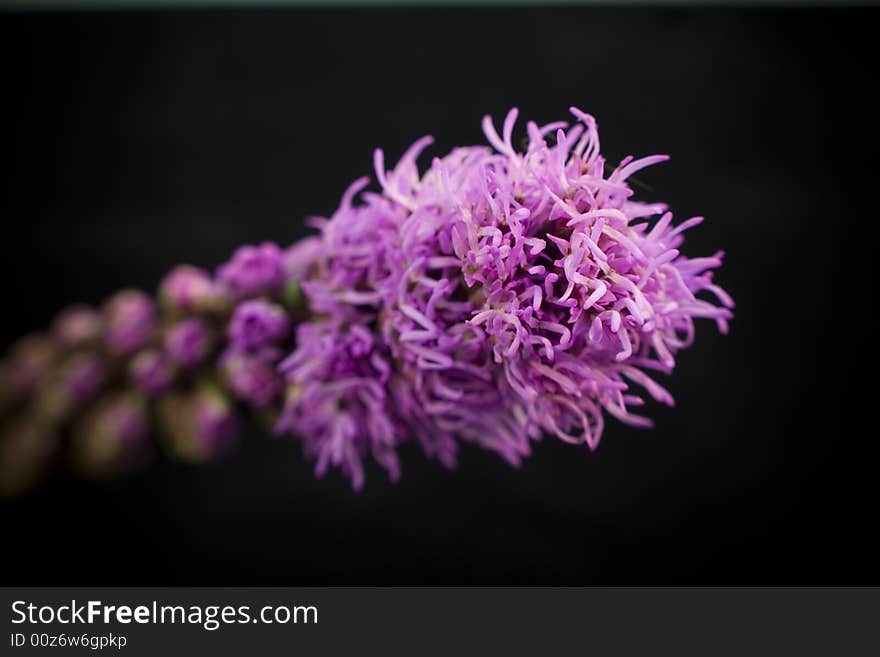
[136, 141]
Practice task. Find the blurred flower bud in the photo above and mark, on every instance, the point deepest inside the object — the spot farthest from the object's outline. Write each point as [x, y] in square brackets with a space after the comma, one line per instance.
[76, 380]
[258, 323]
[151, 371]
[200, 423]
[76, 327]
[253, 270]
[189, 342]
[29, 362]
[251, 376]
[27, 454]
[111, 438]
[300, 257]
[131, 320]
[187, 289]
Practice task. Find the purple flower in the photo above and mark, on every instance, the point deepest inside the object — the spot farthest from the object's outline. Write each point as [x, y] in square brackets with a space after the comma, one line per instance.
[506, 294]
[151, 371]
[29, 362]
[254, 270]
[251, 376]
[188, 342]
[130, 322]
[187, 289]
[256, 324]
[77, 327]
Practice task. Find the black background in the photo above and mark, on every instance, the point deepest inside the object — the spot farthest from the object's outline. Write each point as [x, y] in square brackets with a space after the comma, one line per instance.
[136, 141]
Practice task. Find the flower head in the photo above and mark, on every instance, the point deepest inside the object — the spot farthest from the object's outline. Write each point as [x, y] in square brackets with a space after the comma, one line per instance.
[506, 294]
[112, 436]
[151, 371]
[76, 327]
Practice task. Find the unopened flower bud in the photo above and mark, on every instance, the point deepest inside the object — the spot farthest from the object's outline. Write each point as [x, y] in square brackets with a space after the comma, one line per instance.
[258, 323]
[151, 371]
[131, 321]
[251, 376]
[186, 290]
[112, 437]
[189, 342]
[77, 327]
[253, 270]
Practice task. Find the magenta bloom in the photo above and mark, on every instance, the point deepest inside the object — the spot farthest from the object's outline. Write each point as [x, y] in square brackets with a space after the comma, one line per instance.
[254, 270]
[130, 322]
[500, 296]
[256, 324]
